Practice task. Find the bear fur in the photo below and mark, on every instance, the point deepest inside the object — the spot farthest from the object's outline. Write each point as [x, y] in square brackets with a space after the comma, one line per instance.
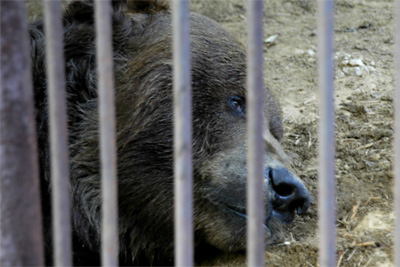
[143, 68]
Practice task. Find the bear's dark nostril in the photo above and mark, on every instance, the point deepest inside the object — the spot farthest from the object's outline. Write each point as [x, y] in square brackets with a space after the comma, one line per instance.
[283, 189]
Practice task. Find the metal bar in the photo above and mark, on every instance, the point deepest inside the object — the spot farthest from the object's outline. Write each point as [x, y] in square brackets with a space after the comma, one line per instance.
[61, 213]
[255, 127]
[21, 241]
[108, 147]
[182, 135]
[326, 171]
[397, 140]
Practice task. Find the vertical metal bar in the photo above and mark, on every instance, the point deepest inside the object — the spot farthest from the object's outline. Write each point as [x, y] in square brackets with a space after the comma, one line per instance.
[108, 147]
[397, 139]
[61, 214]
[255, 127]
[182, 134]
[326, 172]
[21, 241]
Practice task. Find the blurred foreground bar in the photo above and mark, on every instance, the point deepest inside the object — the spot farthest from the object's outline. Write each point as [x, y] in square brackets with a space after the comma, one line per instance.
[255, 127]
[21, 240]
[60, 183]
[104, 52]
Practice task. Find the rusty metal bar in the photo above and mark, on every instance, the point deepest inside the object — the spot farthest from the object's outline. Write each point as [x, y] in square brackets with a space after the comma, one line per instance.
[326, 171]
[255, 127]
[21, 241]
[108, 146]
[182, 135]
[60, 184]
[397, 140]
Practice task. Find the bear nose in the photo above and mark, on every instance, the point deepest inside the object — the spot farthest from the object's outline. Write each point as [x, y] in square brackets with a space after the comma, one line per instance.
[289, 193]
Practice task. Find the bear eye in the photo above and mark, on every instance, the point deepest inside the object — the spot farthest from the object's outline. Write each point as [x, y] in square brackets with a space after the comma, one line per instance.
[238, 104]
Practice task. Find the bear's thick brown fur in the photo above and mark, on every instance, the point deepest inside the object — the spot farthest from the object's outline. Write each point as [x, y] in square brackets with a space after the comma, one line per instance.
[143, 92]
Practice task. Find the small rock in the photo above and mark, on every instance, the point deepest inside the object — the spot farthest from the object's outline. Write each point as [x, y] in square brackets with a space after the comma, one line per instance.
[376, 157]
[340, 74]
[356, 62]
[358, 71]
[271, 40]
[357, 91]
[375, 95]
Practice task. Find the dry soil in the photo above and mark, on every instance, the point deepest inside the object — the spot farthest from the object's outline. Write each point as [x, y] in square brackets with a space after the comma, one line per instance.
[364, 43]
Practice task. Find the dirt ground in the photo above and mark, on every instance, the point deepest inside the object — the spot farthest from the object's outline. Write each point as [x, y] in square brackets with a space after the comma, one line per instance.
[364, 42]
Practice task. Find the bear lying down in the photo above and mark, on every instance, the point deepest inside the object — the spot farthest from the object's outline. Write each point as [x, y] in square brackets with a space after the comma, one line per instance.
[143, 91]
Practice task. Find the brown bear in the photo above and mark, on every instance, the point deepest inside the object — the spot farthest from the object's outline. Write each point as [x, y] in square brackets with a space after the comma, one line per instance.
[143, 92]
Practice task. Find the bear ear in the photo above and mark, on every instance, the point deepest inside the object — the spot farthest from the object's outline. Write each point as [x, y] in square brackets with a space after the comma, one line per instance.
[143, 6]
[83, 10]
[80, 11]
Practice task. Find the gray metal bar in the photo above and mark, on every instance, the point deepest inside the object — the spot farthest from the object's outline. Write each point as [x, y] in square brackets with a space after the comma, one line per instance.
[21, 241]
[61, 214]
[255, 127]
[182, 135]
[108, 147]
[326, 171]
[397, 140]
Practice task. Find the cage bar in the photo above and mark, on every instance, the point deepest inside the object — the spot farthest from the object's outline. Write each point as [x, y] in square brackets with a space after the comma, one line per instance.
[255, 127]
[21, 237]
[183, 181]
[326, 171]
[397, 140]
[108, 147]
[61, 210]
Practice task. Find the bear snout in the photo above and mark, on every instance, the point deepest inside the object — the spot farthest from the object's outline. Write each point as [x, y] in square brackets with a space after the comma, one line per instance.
[288, 194]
